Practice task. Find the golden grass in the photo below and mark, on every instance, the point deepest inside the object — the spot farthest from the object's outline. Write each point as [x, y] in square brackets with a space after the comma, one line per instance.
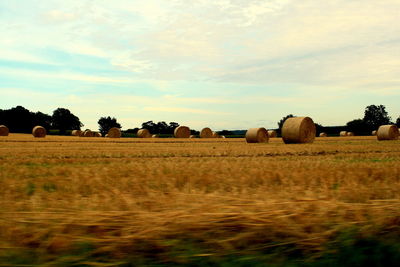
[230, 195]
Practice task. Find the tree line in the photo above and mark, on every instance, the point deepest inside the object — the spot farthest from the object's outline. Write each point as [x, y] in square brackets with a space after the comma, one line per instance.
[21, 120]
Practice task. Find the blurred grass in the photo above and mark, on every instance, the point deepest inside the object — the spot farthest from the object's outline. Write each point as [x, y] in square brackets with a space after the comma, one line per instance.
[68, 201]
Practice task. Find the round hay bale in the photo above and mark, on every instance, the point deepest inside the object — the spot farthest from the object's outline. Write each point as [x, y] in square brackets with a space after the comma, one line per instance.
[223, 136]
[76, 133]
[257, 135]
[39, 131]
[106, 136]
[323, 135]
[182, 132]
[154, 136]
[97, 134]
[206, 133]
[4, 130]
[350, 134]
[373, 133]
[272, 133]
[144, 133]
[298, 130]
[343, 133]
[215, 135]
[192, 136]
[88, 133]
[114, 133]
[387, 132]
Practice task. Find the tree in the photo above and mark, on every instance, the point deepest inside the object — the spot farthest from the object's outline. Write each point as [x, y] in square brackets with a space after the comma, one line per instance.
[359, 127]
[18, 119]
[63, 120]
[42, 119]
[106, 123]
[398, 122]
[375, 116]
[280, 123]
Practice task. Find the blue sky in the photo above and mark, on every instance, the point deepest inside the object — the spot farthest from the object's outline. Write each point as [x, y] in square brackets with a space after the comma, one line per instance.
[228, 64]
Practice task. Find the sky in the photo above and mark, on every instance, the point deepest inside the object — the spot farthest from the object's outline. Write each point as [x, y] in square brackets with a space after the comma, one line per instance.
[224, 64]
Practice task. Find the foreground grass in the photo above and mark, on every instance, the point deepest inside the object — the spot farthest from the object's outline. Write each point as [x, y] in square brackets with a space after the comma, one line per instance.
[95, 202]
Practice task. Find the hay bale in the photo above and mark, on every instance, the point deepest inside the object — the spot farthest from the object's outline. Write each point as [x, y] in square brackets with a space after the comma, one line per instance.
[88, 133]
[76, 133]
[388, 132]
[182, 132]
[97, 134]
[323, 135]
[114, 132]
[4, 130]
[373, 133]
[39, 131]
[215, 135]
[144, 133]
[192, 136]
[350, 134]
[223, 136]
[206, 133]
[154, 136]
[106, 136]
[272, 134]
[343, 133]
[257, 135]
[298, 130]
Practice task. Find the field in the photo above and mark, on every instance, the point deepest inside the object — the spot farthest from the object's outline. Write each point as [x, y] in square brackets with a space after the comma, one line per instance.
[216, 202]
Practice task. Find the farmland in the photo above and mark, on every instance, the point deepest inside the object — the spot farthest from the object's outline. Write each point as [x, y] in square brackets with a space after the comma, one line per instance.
[130, 201]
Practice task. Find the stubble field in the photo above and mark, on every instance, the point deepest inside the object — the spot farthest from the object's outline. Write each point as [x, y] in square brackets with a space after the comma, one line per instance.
[126, 202]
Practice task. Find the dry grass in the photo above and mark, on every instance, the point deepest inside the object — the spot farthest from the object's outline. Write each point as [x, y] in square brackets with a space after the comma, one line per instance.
[127, 196]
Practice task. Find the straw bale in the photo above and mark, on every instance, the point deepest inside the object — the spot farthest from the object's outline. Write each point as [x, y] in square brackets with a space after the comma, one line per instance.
[298, 130]
[192, 136]
[106, 136]
[4, 130]
[76, 133]
[88, 133]
[223, 136]
[114, 133]
[39, 131]
[154, 136]
[257, 135]
[343, 133]
[388, 132]
[272, 133]
[323, 135]
[373, 133]
[206, 133]
[97, 134]
[144, 133]
[182, 132]
[350, 134]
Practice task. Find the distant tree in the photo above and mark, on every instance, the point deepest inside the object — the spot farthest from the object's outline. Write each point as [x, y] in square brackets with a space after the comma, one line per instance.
[280, 123]
[132, 131]
[63, 120]
[375, 116]
[359, 127]
[398, 122]
[106, 123]
[319, 128]
[151, 126]
[42, 119]
[225, 132]
[18, 119]
[172, 126]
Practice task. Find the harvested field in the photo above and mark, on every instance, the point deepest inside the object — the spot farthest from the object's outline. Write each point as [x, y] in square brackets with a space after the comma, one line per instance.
[90, 201]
